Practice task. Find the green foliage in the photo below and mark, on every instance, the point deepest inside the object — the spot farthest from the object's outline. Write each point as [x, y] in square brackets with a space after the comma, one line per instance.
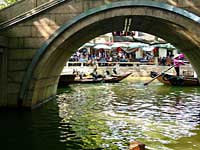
[2, 6]
[7, 3]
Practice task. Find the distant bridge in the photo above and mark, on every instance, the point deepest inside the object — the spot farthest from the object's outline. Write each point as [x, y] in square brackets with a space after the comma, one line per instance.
[37, 37]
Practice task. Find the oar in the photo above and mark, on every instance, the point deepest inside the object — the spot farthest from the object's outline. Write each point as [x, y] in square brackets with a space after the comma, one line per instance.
[158, 75]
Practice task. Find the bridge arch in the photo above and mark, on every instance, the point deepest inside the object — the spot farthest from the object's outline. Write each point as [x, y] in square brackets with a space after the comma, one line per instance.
[177, 26]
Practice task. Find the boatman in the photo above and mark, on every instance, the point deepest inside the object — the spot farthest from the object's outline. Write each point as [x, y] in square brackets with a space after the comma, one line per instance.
[178, 61]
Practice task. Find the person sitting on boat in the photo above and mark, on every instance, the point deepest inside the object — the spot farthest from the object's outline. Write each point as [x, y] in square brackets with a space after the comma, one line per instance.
[114, 71]
[94, 73]
[81, 75]
[178, 61]
[107, 73]
[74, 71]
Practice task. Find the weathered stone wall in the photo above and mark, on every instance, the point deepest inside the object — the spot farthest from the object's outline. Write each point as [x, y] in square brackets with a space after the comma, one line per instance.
[16, 9]
[3, 71]
[26, 5]
[136, 70]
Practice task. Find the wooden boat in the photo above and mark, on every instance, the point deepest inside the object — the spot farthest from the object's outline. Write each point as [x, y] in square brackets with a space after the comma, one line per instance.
[176, 80]
[66, 79]
[111, 79]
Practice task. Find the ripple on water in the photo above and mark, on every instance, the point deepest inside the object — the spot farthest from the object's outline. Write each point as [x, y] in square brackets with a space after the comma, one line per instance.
[110, 115]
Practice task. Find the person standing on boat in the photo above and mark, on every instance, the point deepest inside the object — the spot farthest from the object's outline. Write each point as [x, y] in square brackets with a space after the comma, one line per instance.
[94, 73]
[178, 61]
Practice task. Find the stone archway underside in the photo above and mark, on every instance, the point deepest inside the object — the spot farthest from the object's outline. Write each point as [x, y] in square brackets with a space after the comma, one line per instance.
[170, 23]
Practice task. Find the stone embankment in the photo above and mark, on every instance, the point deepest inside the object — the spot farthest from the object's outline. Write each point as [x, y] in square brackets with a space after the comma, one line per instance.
[137, 70]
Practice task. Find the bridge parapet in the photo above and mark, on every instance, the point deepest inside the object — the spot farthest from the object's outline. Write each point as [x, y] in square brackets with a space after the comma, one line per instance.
[15, 9]
[26, 5]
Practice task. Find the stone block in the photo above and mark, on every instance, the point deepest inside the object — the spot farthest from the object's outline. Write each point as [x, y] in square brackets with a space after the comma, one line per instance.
[45, 82]
[21, 54]
[37, 95]
[12, 100]
[19, 31]
[3, 94]
[27, 101]
[70, 7]
[13, 88]
[15, 76]
[62, 18]
[14, 42]
[18, 65]
[3, 41]
[33, 43]
[32, 97]
[41, 31]
[50, 91]
[45, 19]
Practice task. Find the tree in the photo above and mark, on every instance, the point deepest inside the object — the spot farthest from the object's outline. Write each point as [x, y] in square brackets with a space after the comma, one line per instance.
[5, 3]
[8, 2]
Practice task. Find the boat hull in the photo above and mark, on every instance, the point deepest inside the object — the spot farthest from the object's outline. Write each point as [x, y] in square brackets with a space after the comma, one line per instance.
[66, 79]
[112, 79]
[176, 80]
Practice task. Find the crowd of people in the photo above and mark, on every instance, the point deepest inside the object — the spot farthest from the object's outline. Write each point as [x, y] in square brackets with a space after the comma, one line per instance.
[165, 61]
[101, 56]
[104, 57]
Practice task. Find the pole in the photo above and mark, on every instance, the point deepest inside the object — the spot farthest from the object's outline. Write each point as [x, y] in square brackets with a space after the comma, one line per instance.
[158, 75]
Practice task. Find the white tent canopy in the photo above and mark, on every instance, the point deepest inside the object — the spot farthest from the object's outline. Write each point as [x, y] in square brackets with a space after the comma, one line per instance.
[102, 46]
[165, 45]
[137, 45]
[119, 44]
[148, 48]
[86, 45]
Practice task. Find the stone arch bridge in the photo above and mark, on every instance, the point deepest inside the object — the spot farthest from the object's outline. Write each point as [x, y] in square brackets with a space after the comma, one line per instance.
[37, 37]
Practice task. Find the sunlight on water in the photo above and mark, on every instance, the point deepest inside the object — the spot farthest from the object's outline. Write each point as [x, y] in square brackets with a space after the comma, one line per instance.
[109, 116]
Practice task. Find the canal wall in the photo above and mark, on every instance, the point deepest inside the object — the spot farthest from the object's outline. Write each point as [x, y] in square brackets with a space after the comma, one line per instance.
[136, 70]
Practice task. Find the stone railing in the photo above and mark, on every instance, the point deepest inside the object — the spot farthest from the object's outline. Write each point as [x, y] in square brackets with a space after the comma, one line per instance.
[30, 13]
[103, 64]
[138, 69]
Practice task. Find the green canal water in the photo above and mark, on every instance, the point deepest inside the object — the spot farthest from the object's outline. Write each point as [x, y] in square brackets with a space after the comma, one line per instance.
[108, 116]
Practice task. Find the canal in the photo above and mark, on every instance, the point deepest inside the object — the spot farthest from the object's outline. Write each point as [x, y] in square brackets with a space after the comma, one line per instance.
[108, 116]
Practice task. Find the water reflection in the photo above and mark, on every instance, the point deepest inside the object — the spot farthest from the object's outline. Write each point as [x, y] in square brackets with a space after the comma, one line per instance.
[108, 116]
[37, 130]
